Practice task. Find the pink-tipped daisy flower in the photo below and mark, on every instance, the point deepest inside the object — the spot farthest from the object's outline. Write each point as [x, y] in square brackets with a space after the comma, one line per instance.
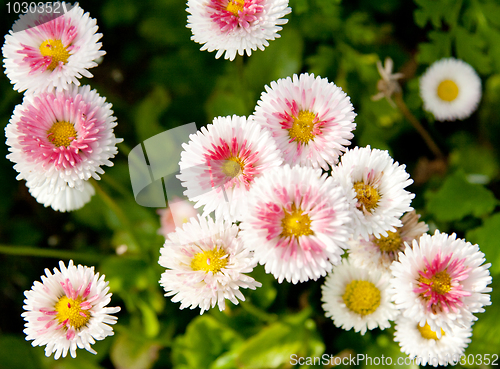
[46, 50]
[221, 162]
[206, 263]
[311, 119]
[60, 139]
[441, 281]
[236, 26]
[297, 223]
[375, 186]
[67, 310]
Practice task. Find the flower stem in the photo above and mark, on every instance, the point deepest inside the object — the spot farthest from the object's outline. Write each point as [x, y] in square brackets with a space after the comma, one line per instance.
[398, 98]
[48, 253]
[258, 312]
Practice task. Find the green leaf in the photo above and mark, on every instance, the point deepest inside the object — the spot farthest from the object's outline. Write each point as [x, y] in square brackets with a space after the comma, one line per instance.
[150, 320]
[487, 237]
[275, 344]
[133, 352]
[16, 353]
[436, 12]
[457, 198]
[470, 48]
[204, 341]
[439, 47]
[477, 161]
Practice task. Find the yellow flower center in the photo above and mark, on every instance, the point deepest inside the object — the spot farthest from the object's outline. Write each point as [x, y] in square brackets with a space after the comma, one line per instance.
[362, 297]
[70, 310]
[427, 333]
[296, 224]
[302, 127]
[232, 167]
[440, 282]
[367, 195]
[234, 6]
[447, 90]
[391, 243]
[56, 50]
[209, 261]
[61, 133]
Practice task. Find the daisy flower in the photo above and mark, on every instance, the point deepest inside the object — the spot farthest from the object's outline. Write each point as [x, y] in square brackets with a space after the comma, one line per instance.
[177, 213]
[68, 310]
[297, 223]
[45, 50]
[450, 89]
[62, 199]
[424, 347]
[61, 139]
[310, 118]
[375, 184]
[379, 253]
[354, 298]
[235, 26]
[441, 281]
[221, 162]
[206, 262]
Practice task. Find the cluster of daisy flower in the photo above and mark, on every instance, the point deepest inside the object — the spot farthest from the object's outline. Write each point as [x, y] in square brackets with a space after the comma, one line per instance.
[62, 133]
[287, 193]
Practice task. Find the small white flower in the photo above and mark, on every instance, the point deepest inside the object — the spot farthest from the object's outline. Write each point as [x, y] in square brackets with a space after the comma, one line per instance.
[62, 199]
[450, 89]
[388, 85]
[375, 184]
[61, 139]
[379, 253]
[236, 26]
[297, 223]
[40, 54]
[423, 345]
[441, 281]
[311, 119]
[355, 298]
[67, 310]
[221, 162]
[206, 262]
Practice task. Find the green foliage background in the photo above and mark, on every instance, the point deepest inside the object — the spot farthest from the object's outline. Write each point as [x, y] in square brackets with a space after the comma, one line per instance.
[156, 79]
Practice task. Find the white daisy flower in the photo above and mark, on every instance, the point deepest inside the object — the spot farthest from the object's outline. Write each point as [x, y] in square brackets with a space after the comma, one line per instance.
[441, 281]
[310, 118]
[44, 51]
[236, 26]
[67, 310]
[375, 184]
[423, 345]
[297, 223]
[221, 162]
[61, 139]
[355, 298]
[62, 199]
[379, 253]
[450, 89]
[206, 262]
